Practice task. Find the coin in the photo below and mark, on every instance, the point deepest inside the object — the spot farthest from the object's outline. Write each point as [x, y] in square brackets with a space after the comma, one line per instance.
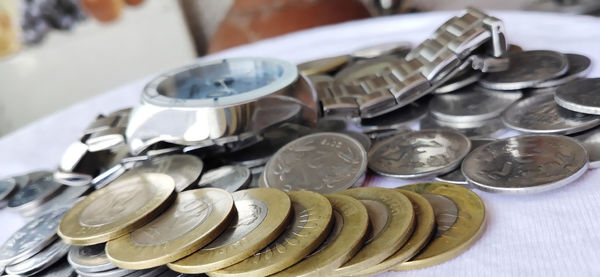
[527, 69]
[195, 219]
[541, 114]
[308, 228]
[7, 187]
[32, 237]
[419, 154]
[392, 222]
[230, 178]
[321, 162]
[387, 48]
[91, 258]
[351, 223]
[591, 141]
[262, 215]
[456, 176]
[117, 209]
[34, 193]
[395, 119]
[581, 95]
[323, 66]
[460, 218]
[65, 195]
[471, 104]
[579, 65]
[184, 169]
[424, 227]
[462, 79]
[363, 139]
[72, 178]
[526, 164]
[58, 269]
[116, 272]
[487, 128]
[39, 261]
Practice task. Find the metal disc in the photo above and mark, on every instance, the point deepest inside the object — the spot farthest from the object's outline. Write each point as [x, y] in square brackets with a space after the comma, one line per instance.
[540, 114]
[115, 272]
[72, 178]
[184, 169]
[67, 195]
[526, 164]
[388, 48]
[58, 269]
[40, 261]
[460, 80]
[34, 193]
[195, 219]
[582, 95]
[117, 209]
[323, 66]
[579, 65]
[419, 154]
[230, 178]
[322, 162]
[90, 258]
[363, 139]
[455, 176]
[591, 141]
[392, 220]
[460, 217]
[395, 119]
[7, 187]
[262, 215]
[527, 69]
[487, 128]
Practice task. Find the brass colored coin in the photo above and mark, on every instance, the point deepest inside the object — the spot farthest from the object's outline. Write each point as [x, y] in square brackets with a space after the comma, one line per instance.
[421, 235]
[117, 209]
[460, 217]
[195, 219]
[345, 239]
[307, 229]
[262, 215]
[392, 221]
[323, 66]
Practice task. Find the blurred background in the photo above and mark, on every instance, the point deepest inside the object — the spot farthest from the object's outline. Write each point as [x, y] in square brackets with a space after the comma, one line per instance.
[54, 53]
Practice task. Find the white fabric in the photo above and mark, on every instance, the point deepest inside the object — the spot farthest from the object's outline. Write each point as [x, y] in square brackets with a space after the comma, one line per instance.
[555, 233]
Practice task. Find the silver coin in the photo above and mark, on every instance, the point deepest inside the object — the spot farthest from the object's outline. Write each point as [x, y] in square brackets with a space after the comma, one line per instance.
[256, 176]
[108, 176]
[34, 193]
[527, 69]
[230, 178]
[153, 272]
[419, 154]
[184, 169]
[579, 65]
[90, 258]
[394, 119]
[541, 114]
[581, 95]
[32, 237]
[471, 104]
[321, 162]
[381, 135]
[591, 141]
[7, 187]
[67, 195]
[58, 269]
[526, 164]
[364, 140]
[460, 80]
[116, 272]
[72, 178]
[456, 176]
[389, 48]
[488, 128]
[40, 261]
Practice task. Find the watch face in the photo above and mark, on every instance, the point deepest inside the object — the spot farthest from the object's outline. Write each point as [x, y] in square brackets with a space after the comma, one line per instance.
[221, 83]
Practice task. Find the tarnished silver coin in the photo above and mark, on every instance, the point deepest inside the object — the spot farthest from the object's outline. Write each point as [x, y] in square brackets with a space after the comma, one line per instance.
[184, 169]
[388, 48]
[579, 65]
[541, 114]
[487, 128]
[34, 193]
[321, 162]
[471, 104]
[39, 261]
[59, 269]
[581, 95]
[230, 178]
[456, 176]
[527, 69]
[419, 154]
[526, 164]
[90, 258]
[460, 80]
[7, 187]
[591, 141]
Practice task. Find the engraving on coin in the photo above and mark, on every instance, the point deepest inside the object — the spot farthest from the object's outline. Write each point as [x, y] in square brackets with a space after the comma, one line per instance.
[89, 258]
[581, 95]
[290, 235]
[230, 178]
[445, 210]
[456, 176]
[579, 65]
[39, 261]
[250, 213]
[34, 193]
[118, 202]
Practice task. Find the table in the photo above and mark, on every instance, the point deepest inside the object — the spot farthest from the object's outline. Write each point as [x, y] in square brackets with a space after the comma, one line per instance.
[555, 233]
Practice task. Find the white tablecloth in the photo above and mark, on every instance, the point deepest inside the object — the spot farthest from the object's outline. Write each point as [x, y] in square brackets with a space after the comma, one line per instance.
[556, 233]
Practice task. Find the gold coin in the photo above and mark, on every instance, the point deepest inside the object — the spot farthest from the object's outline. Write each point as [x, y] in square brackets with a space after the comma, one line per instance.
[323, 66]
[345, 239]
[392, 221]
[262, 215]
[309, 226]
[195, 219]
[418, 240]
[117, 209]
[460, 217]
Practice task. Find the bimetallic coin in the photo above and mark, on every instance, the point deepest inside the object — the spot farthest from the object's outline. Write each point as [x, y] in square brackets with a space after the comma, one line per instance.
[527, 69]
[487, 128]
[230, 178]
[462, 79]
[579, 65]
[591, 141]
[582, 95]
[526, 164]
[307, 229]
[90, 258]
[383, 49]
[323, 66]
[322, 162]
[184, 169]
[262, 215]
[456, 176]
[34, 193]
[392, 222]
[7, 187]
[540, 114]
[195, 219]
[460, 218]
[39, 261]
[419, 154]
[351, 223]
[117, 209]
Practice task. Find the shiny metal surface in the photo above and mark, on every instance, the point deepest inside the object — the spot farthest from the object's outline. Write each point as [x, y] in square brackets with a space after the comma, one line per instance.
[66, 195]
[579, 66]
[394, 119]
[34, 193]
[461, 80]
[582, 95]
[72, 178]
[323, 65]
[363, 139]
[230, 178]
[184, 169]
[456, 176]
[59, 269]
[7, 186]
[90, 258]
[72, 156]
[591, 141]
[487, 128]
[116, 272]
[400, 48]
[526, 164]
[41, 260]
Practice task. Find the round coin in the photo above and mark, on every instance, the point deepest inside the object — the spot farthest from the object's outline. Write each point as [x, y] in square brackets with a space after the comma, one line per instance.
[91, 258]
[591, 141]
[395, 119]
[526, 164]
[579, 65]
[230, 178]
[195, 219]
[321, 162]
[307, 229]
[383, 49]
[351, 223]
[462, 79]
[7, 187]
[58, 269]
[40, 261]
[262, 215]
[527, 69]
[65, 195]
[581, 95]
[540, 114]
[117, 209]
[34, 193]
[116, 272]
[184, 169]
[460, 218]
[419, 154]
[487, 128]
[323, 66]
[456, 176]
